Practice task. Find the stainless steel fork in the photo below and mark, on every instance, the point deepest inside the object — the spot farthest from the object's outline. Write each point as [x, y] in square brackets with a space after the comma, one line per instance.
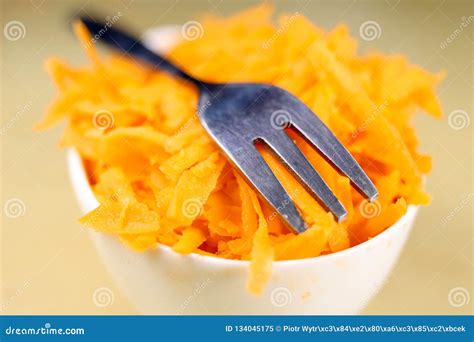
[236, 115]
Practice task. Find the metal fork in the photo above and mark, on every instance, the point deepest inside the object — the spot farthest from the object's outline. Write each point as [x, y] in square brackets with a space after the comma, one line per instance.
[236, 115]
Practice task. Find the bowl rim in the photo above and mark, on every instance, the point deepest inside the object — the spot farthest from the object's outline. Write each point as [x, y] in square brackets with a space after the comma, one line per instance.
[80, 184]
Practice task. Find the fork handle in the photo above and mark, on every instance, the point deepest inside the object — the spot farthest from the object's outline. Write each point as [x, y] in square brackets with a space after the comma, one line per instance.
[128, 44]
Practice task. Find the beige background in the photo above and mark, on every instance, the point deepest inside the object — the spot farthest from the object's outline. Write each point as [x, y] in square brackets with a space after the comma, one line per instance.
[48, 264]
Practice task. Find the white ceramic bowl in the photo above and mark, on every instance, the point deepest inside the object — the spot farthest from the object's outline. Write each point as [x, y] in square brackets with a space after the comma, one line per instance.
[163, 282]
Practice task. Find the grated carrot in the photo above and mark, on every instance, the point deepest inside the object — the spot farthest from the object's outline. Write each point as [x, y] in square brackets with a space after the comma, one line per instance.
[160, 179]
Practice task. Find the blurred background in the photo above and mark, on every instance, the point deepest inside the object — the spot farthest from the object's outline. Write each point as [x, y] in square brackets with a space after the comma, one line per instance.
[48, 264]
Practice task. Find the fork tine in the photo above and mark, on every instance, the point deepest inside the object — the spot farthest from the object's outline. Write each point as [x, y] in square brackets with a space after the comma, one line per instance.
[253, 166]
[284, 147]
[316, 132]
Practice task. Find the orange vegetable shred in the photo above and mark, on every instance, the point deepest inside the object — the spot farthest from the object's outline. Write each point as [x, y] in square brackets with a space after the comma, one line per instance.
[160, 179]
